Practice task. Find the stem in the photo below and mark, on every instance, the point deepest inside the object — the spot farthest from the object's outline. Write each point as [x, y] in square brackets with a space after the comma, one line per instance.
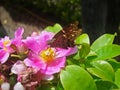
[14, 55]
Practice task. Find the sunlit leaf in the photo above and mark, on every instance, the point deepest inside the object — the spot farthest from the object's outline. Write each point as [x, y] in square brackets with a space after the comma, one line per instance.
[84, 38]
[106, 39]
[107, 52]
[84, 50]
[56, 28]
[76, 78]
[102, 69]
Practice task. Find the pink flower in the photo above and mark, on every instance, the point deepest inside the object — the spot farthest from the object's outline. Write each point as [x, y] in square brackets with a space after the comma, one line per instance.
[8, 46]
[18, 36]
[18, 44]
[45, 58]
[5, 49]
[25, 74]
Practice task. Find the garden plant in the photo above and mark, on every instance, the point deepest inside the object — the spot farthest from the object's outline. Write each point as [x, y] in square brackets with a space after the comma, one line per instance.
[32, 64]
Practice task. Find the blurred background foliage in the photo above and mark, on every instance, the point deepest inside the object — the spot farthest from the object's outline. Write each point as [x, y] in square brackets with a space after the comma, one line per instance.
[65, 10]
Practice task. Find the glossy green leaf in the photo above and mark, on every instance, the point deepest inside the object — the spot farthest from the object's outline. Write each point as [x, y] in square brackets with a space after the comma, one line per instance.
[106, 39]
[72, 61]
[76, 78]
[117, 78]
[115, 64]
[56, 28]
[102, 69]
[84, 38]
[107, 52]
[84, 50]
[92, 55]
[106, 85]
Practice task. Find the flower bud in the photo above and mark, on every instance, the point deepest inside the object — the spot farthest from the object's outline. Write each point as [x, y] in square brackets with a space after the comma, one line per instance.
[5, 86]
[18, 86]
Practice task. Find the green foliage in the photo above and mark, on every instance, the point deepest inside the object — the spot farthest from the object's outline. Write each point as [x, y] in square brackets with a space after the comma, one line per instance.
[56, 28]
[102, 69]
[93, 67]
[76, 78]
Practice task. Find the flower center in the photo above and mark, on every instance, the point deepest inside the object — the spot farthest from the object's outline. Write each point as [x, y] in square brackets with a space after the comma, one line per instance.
[48, 54]
[6, 42]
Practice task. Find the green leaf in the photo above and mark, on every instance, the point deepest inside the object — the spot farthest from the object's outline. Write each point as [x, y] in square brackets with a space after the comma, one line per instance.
[72, 61]
[84, 38]
[117, 77]
[91, 56]
[115, 64]
[59, 86]
[84, 50]
[106, 39]
[76, 78]
[106, 85]
[107, 52]
[56, 28]
[102, 69]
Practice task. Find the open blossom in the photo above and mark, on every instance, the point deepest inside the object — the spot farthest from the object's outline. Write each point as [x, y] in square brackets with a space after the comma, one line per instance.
[47, 59]
[5, 49]
[18, 44]
[8, 46]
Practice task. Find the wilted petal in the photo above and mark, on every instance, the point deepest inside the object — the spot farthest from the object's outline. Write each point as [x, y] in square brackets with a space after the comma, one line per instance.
[18, 86]
[5, 86]
[18, 67]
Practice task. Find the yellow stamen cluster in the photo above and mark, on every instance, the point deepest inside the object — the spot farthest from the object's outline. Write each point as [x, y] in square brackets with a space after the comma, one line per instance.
[6, 42]
[48, 54]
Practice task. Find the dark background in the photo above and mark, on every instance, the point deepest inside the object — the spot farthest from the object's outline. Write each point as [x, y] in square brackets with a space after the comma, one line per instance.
[96, 17]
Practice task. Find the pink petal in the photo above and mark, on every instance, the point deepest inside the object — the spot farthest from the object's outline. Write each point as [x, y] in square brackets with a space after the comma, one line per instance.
[35, 63]
[19, 32]
[55, 66]
[3, 56]
[66, 52]
[32, 44]
[44, 37]
[18, 67]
